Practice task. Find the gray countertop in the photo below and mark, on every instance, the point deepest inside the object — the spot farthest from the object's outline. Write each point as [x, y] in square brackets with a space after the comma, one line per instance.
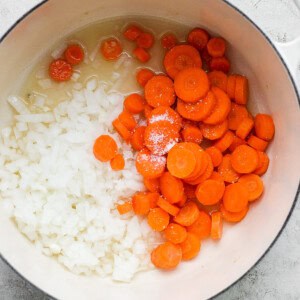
[277, 275]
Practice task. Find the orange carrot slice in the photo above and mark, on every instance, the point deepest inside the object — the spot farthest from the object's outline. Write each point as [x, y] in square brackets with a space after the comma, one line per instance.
[105, 148]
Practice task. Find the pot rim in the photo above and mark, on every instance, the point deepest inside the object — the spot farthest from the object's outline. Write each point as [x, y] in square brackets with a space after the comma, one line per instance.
[247, 18]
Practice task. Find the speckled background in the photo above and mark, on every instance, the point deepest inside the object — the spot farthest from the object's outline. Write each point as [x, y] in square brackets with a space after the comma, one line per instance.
[277, 276]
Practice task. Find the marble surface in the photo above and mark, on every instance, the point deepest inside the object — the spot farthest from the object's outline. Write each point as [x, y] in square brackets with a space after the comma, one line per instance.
[277, 276]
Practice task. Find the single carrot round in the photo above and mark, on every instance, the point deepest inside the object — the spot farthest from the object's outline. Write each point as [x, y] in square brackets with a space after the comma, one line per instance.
[199, 110]
[244, 128]
[244, 159]
[216, 226]
[253, 184]
[202, 226]
[105, 148]
[171, 187]
[236, 116]
[210, 191]
[127, 120]
[257, 143]
[264, 126]
[141, 203]
[191, 84]
[231, 86]
[214, 132]
[226, 171]
[145, 40]
[124, 208]
[121, 129]
[175, 233]
[158, 219]
[221, 109]
[168, 41]
[219, 64]
[192, 134]
[152, 184]
[60, 70]
[263, 163]
[218, 79]
[137, 138]
[132, 32]
[117, 163]
[74, 54]
[190, 247]
[241, 90]
[143, 76]
[216, 47]
[166, 256]
[215, 155]
[160, 137]
[198, 38]
[236, 197]
[159, 91]
[188, 214]
[225, 141]
[134, 103]
[233, 217]
[150, 165]
[141, 54]
[111, 49]
[147, 110]
[181, 57]
[167, 206]
[216, 176]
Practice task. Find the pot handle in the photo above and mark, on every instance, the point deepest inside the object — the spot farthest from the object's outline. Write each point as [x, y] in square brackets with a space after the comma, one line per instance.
[290, 52]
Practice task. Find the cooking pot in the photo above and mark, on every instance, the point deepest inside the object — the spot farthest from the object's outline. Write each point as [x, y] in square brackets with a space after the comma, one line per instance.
[272, 78]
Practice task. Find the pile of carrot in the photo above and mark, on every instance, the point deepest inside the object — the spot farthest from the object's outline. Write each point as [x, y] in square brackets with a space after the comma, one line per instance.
[201, 153]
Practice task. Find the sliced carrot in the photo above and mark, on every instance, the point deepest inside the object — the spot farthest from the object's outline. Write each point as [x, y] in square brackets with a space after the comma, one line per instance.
[216, 225]
[189, 191]
[202, 226]
[158, 219]
[192, 134]
[233, 217]
[74, 54]
[171, 188]
[168, 41]
[175, 233]
[225, 141]
[152, 184]
[121, 129]
[254, 185]
[210, 191]
[264, 126]
[221, 109]
[145, 40]
[199, 110]
[132, 32]
[236, 116]
[167, 114]
[143, 76]
[198, 38]
[182, 202]
[105, 148]
[166, 256]
[263, 163]
[117, 163]
[127, 120]
[218, 79]
[191, 84]
[244, 128]
[147, 110]
[214, 132]
[231, 86]
[236, 197]
[219, 64]
[190, 246]
[60, 70]
[241, 89]
[181, 57]
[244, 159]
[188, 214]
[167, 206]
[181, 161]
[142, 202]
[216, 176]
[134, 103]
[215, 155]
[137, 138]
[216, 47]
[226, 171]
[150, 165]
[257, 143]
[236, 142]
[159, 91]
[141, 54]
[124, 208]
[160, 137]
[111, 49]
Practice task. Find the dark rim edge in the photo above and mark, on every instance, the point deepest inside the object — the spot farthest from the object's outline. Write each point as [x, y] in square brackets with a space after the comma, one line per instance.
[298, 97]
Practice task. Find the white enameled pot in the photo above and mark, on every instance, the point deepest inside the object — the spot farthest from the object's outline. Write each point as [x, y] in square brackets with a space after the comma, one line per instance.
[273, 90]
